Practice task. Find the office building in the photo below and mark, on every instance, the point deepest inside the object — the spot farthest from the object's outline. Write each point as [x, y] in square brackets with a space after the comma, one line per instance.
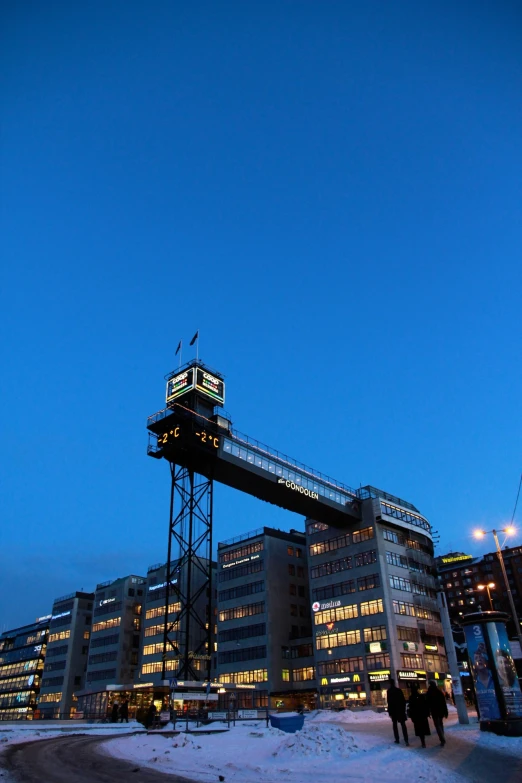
[264, 635]
[461, 574]
[22, 657]
[151, 665]
[373, 593]
[115, 638]
[66, 658]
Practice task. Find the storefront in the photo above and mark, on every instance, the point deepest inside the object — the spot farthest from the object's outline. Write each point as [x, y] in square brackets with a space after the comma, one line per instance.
[405, 677]
[379, 684]
[343, 691]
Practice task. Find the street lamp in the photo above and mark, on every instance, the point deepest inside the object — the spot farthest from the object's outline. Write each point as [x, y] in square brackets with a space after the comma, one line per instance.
[509, 531]
[487, 587]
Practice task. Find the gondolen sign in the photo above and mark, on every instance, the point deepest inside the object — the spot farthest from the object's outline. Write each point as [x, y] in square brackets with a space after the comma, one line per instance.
[299, 488]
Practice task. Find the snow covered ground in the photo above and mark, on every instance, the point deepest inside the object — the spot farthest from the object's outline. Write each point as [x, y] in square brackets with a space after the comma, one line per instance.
[252, 753]
[347, 746]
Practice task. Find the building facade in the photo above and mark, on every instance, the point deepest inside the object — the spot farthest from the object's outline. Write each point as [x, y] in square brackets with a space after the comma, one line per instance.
[67, 651]
[22, 658]
[151, 659]
[264, 635]
[460, 577]
[375, 612]
[115, 637]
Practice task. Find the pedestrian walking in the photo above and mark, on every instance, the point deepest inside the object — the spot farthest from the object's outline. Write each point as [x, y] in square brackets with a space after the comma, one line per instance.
[418, 713]
[124, 711]
[397, 711]
[151, 715]
[438, 709]
[115, 708]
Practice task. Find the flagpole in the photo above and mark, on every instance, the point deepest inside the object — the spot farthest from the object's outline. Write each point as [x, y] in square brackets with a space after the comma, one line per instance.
[180, 352]
[197, 347]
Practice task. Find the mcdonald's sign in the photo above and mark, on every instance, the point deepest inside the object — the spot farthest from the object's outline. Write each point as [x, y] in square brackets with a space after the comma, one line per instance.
[324, 681]
[356, 678]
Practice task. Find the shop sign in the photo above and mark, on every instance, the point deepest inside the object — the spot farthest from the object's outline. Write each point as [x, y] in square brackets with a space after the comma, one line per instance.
[431, 647]
[457, 558]
[247, 714]
[218, 715]
[320, 605]
[333, 680]
[381, 676]
[410, 646]
[411, 675]
[375, 647]
[107, 601]
[56, 616]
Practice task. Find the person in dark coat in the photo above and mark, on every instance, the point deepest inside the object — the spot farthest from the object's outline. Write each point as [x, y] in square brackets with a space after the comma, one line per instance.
[397, 711]
[438, 709]
[124, 711]
[115, 708]
[151, 714]
[418, 712]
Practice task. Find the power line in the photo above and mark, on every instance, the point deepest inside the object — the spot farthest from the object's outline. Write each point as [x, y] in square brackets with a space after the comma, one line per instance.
[516, 501]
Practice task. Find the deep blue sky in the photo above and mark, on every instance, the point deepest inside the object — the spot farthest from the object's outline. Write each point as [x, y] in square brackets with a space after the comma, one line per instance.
[329, 191]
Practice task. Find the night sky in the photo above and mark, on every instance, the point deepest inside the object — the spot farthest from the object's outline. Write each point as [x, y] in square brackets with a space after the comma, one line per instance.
[330, 192]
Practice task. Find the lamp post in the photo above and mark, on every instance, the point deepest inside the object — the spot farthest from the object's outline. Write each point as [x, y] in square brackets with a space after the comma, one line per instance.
[509, 531]
[487, 587]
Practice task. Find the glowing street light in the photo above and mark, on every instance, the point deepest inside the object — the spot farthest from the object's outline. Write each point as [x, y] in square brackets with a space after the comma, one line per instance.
[509, 531]
[488, 587]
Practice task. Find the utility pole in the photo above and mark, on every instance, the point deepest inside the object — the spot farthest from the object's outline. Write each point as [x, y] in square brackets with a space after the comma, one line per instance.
[460, 702]
[518, 630]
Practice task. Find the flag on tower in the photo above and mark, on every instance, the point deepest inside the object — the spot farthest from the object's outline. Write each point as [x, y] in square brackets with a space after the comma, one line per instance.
[194, 338]
[178, 349]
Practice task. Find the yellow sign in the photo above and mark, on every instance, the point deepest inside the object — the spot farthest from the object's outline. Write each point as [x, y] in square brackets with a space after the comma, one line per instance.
[324, 681]
[356, 678]
[456, 558]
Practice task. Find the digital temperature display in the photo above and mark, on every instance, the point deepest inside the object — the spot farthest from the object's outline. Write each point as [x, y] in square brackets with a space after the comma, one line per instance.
[180, 384]
[210, 385]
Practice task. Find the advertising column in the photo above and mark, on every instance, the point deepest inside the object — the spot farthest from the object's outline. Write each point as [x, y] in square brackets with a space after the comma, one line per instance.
[494, 674]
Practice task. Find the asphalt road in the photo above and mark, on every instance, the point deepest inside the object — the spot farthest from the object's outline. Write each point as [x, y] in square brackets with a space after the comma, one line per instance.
[75, 760]
[477, 764]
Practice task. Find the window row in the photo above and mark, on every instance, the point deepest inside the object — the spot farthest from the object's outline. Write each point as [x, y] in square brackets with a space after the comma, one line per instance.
[49, 697]
[247, 632]
[104, 624]
[304, 674]
[245, 654]
[237, 612]
[10, 669]
[340, 666]
[159, 611]
[108, 608]
[344, 564]
[104, 641]
[56, 637]
[340, 639]
[153, 649]
[103, 658]
[241, 590]
[61, 650]
[103, 674]
[242, 551]
[12, 683]
[402, 607]
[296, 571]
[155, 668]
[336, 615]
[405, 516]
[245, 677]
[237, 572]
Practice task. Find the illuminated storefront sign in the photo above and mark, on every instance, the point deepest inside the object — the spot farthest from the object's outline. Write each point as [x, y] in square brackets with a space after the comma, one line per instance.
[381, 676]
[299, 488]
[56, 616]
[431, 647]
[411, 675]
[107, 601]
[375, 647]
[163, 584]
[410, 646]
[457, 558]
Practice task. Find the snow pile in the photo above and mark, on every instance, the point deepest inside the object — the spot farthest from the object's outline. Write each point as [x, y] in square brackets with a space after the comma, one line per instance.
[317, 741]
[351, 716]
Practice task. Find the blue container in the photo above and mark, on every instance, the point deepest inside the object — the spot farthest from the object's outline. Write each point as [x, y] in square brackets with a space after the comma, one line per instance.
[289, 722]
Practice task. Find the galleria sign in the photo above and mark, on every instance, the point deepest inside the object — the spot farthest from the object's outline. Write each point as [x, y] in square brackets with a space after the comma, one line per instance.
[298, 488]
